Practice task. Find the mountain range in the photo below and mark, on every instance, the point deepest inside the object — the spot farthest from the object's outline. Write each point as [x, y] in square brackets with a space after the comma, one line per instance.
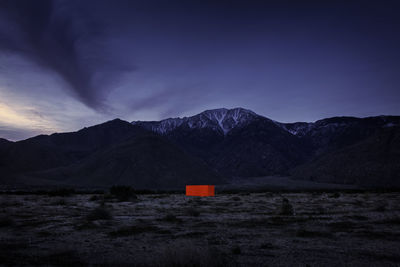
[214, 146]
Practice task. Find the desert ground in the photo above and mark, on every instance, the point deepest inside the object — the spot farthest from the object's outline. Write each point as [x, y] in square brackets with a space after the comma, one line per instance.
[242, 229]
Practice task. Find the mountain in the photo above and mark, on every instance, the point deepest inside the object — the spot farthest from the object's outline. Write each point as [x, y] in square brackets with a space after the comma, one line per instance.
[234, 142]
[211, 147]
[115, 152]
[62, 149]
[373, 162]
[144, 161]
[4, 144]
[221, 121]
[241, 143]
[337, 132]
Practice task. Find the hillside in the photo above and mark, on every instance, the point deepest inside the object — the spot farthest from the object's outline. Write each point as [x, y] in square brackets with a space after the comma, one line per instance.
[373, 162]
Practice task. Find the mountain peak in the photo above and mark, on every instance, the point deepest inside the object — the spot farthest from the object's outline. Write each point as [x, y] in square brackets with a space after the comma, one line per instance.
[224, 111]
[221, 120]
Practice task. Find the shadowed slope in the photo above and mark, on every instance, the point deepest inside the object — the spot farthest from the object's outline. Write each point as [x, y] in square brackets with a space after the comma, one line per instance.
[144, 161]
[61, 149]
[374, 162]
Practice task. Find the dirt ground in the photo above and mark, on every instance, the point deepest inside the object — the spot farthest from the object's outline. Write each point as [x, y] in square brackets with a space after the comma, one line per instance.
[249, 229]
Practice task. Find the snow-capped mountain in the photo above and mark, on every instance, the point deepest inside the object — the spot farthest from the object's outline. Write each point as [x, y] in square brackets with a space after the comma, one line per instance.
[235, 142]
[221, 120]
[219, 143]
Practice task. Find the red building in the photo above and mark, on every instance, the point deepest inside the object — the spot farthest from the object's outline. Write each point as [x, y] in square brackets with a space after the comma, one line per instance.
[200, 190]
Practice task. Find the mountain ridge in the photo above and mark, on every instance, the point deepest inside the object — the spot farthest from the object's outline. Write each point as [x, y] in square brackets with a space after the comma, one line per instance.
[213, 115]
[222, 120]
[216, 145]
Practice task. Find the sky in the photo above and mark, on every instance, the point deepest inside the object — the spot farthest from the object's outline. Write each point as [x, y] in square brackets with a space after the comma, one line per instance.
[67, 64]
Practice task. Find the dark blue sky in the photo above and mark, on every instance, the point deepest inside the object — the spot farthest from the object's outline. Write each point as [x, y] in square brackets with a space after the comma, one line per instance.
[66, 64]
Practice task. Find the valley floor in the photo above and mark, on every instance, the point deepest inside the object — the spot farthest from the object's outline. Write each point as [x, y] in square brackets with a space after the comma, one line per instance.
[249, 229]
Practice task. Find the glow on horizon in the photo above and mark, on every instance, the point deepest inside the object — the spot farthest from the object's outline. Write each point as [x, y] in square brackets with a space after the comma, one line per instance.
[20, 118]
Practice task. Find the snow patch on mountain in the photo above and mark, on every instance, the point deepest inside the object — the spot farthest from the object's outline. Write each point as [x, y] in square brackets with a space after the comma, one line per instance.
[222, 120]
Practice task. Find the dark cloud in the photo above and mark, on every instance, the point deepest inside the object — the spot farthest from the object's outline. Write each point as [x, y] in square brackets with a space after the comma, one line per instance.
[66, 37]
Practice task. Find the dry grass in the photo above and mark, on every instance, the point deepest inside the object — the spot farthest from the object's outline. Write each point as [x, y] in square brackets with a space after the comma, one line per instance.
[249, 229]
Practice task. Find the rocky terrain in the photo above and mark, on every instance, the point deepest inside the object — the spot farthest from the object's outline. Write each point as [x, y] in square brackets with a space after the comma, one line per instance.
[247, 229]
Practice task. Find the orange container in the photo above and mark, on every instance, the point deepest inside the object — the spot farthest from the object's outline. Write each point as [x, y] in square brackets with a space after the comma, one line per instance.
[200, 190]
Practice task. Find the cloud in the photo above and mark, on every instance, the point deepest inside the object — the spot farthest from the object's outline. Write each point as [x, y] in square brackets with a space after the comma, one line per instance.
[37, 103]
[66, 37]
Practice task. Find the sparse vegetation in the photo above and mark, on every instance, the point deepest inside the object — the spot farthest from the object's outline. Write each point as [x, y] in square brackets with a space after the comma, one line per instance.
[381, 207]
[158, 232]
[44, 233]
[236, 250]
[335, 195]
[312, 234]
[59, 258]
[59, 202]
[123, 193]
[192, 211]
[267, 246]
[342, 226]
[171, 218]
[286, 208]
[236, 198]
[133, 230]
[9, 203]
[6, 221]
[61, 192]
[320, 210]
[187, 254]
[94, 198]
[99, 213]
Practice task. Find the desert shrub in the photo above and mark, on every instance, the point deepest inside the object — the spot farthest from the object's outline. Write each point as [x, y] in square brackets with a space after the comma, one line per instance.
[342, 226]
[94, 198]
[286, 207]
[107, 197]
[186, 254]
[171, 218]
[44, 234]
[335, 195]
[268, 194]
[99, 213]
[61, 192]
[4, 203]
[312, 234]
[6, 221]
[316, 194]
[320, 210]
[133, 230]
[357, 217]
[381, 207]
[59, 202]
[392, 220]
[123, 193]
[192, 211]
[58, 258]
[236, 250]
[267, 246]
